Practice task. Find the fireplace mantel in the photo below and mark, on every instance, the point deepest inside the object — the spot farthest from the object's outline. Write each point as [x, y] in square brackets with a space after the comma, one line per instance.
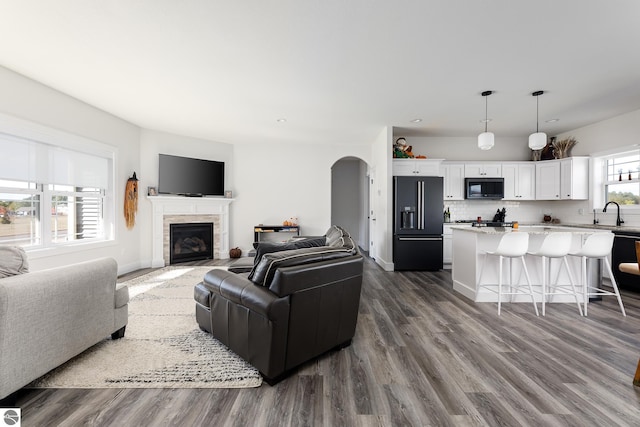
[186, 209]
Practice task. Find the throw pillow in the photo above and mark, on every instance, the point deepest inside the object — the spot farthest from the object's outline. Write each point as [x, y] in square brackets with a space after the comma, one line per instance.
[263, 248]
[266, 270]
[13, 260]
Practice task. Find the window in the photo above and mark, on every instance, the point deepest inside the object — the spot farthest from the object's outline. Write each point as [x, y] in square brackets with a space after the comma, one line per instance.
[19, 213]
[622, 180]
[76, 213]
[52, 195]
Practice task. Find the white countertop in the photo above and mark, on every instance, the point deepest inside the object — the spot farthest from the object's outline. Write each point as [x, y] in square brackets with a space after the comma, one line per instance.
[532, 229]
[630, 229]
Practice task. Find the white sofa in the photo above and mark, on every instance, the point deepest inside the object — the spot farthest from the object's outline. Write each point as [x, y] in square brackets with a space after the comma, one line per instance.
[48, 317]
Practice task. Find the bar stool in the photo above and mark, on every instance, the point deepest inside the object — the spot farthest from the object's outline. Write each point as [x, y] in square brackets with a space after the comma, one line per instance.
[597, 246]
[512, 245]
[555, 245]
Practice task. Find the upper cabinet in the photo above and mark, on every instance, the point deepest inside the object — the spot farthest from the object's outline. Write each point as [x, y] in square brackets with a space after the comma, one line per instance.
[564, 179]
[485, 170]
[574, 178]
[453, 174]
[519, 180]
[416, 167]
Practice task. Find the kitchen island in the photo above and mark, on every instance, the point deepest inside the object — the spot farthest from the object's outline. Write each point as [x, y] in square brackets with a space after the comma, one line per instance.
[471, 243]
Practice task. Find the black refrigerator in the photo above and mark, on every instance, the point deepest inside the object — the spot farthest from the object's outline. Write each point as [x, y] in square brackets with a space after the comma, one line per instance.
[417, 219]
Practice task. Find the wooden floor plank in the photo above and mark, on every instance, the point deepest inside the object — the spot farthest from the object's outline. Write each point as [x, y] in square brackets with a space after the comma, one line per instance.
[422, 355]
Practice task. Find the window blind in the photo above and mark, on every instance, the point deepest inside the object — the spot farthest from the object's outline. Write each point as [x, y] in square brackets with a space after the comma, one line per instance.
[26, 160]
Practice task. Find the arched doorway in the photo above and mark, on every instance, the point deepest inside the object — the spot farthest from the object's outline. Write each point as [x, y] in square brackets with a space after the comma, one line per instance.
[350, 198]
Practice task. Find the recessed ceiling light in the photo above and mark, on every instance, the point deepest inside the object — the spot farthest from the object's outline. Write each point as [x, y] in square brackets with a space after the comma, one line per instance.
[416, 120]
[552, 120]
[281, 120]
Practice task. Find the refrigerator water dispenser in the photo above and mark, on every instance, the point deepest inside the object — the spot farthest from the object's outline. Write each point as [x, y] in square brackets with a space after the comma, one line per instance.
[408, 218]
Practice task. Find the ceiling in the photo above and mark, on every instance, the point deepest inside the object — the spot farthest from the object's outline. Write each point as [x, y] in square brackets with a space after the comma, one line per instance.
[337, 71]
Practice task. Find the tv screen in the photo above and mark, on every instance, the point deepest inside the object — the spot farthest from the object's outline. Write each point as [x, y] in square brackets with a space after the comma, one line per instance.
[191, 177]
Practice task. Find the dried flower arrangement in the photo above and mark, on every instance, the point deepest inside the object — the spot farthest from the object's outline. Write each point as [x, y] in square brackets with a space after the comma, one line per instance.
[563, 147]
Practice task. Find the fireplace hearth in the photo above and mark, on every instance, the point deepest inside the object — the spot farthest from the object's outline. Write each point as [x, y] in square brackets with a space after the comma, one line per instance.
[190, 242]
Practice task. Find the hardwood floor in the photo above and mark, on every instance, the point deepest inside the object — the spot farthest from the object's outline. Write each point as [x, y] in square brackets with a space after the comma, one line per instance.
[422, 355]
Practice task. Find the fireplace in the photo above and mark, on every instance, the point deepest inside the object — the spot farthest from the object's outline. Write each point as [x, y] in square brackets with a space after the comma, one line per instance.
[190, 242]
[169, 210]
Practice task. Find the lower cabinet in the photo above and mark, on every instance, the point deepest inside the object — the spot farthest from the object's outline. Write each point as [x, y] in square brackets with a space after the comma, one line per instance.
[447, 245]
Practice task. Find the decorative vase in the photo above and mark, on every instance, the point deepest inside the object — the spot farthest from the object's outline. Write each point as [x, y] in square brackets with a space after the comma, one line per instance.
[548, 151]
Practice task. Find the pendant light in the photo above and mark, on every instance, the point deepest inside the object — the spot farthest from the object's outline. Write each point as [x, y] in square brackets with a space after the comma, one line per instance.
[538, 140]
[486, 139]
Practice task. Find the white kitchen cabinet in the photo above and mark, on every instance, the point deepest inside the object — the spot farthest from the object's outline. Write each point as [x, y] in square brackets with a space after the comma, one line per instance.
[453, 174]
[548, 180]
[519, 180]
[416, 167]
[574, 178]
[484, 170]
[566, 179]
[447, 245]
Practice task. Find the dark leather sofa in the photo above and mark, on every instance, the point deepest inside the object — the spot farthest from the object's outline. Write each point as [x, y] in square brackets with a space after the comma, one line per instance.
[294, 305]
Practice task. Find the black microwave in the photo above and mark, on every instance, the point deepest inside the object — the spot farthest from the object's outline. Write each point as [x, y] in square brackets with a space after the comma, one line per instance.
[484, 188]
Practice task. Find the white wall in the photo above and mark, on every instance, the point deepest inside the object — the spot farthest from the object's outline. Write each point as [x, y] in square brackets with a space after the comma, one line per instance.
[381, 200]
[466, 148]
[363, 233]
[153, 143]
[29, 100]
[619, 131]
[273, 183]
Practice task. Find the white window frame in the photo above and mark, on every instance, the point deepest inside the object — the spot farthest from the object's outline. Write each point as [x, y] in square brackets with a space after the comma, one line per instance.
[601, 180]
[50, 193]
[23, 129]
[36, 191]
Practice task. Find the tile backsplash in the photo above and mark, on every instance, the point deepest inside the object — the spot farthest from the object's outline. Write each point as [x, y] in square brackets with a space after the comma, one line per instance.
[566, 211]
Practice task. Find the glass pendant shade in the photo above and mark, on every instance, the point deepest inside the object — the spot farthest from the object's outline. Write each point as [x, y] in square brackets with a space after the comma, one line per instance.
[537, 141]
[485, 140]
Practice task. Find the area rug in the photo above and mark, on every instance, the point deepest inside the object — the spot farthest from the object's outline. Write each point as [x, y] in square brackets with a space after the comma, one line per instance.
[163, 346]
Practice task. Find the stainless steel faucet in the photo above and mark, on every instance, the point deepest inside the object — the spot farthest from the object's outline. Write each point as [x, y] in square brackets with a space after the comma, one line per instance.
[619, 221]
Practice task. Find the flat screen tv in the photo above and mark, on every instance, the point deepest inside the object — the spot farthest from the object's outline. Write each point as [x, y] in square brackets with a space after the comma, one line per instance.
[190, 177]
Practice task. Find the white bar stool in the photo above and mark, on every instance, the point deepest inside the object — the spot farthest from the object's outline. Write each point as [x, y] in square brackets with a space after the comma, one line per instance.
[512, 245]
[597, 245]
[555, 245]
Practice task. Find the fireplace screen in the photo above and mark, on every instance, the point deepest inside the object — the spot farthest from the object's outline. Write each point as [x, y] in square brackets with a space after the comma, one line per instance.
[190, 242]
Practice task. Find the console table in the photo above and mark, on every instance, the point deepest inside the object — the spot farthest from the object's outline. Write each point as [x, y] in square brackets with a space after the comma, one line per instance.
[260, 232]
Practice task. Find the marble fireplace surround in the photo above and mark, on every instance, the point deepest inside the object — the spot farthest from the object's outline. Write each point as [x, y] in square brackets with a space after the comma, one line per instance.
[179, 210]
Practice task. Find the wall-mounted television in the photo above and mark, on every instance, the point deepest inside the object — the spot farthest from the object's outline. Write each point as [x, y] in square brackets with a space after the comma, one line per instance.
[190, 177]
